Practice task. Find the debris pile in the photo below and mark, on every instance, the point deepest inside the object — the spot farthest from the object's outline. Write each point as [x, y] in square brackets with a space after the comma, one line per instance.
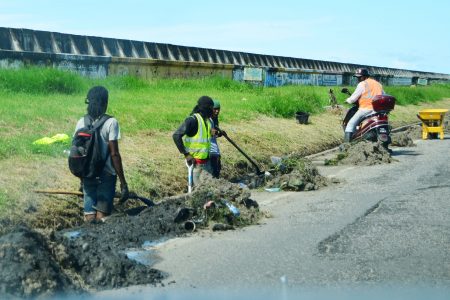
[406, 138]
[27, 269]
[223, 202]
[105, 255]
[363, 153]
[294, 173]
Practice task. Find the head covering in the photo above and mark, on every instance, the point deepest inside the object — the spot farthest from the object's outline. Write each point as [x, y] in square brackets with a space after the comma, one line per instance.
[204, 106]
[362, 72]
[97, 100]
[216, 103]
[205, 101]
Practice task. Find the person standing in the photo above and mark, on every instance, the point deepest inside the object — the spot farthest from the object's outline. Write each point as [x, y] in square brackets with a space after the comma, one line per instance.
[99, 191]
[214, 152]
[366, 90]
[193, 137]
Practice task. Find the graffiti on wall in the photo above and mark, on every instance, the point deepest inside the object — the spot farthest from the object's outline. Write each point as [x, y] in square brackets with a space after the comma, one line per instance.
[253, 74]
[290, 78]
[400, 81]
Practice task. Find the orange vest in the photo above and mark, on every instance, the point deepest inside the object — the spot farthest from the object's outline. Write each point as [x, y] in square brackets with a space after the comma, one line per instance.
[372, 88]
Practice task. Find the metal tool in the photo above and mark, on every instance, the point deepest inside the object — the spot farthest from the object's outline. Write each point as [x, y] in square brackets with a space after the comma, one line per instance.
[258, 171]
[190, 177]
[132, 195]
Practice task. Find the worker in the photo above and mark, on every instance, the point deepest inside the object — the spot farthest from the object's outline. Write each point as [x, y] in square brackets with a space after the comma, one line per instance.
[214, 152]
[99, 191]
[193, 137]
[366, 90]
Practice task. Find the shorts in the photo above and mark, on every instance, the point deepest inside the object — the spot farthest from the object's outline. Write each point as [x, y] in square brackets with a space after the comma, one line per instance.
[99, 194]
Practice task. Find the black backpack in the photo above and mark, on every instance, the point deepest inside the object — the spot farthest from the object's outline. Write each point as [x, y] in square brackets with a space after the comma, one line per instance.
[85, 157]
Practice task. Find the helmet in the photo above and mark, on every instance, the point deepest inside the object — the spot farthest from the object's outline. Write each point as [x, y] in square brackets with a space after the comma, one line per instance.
[216, 104]
[361, 72]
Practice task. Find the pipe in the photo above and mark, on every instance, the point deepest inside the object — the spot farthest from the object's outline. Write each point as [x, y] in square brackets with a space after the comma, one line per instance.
[189, 226]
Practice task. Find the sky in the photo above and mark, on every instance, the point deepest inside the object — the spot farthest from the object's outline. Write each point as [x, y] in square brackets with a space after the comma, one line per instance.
[412, 35]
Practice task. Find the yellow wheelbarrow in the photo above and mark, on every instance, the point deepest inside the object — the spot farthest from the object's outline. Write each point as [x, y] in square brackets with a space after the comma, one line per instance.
[432, 121]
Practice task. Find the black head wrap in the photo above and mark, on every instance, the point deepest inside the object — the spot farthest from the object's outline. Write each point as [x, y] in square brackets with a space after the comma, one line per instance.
[97, 100]
[204, 106]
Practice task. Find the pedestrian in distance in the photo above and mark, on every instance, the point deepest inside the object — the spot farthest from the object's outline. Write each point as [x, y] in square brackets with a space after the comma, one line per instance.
[193, 137]
[214, 152]
[365, 91]
[99, 185]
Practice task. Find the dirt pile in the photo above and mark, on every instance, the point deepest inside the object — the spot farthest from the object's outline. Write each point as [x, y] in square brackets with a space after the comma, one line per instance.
[363, 153]
[116, 253]
[406, 138]
[294, 173]
[220, 201]
[27, 268]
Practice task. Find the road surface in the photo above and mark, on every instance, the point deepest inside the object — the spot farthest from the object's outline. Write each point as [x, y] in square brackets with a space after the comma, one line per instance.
[385, 228]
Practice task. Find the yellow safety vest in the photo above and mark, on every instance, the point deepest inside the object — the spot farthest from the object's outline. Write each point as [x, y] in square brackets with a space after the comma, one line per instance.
[372, 88]
[199, 144]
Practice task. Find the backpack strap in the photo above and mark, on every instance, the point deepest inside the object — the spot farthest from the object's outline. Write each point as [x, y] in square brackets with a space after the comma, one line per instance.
[89, 122]
[100, 121]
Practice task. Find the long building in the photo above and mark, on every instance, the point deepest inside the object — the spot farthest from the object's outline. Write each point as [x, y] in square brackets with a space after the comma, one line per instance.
[99, 57]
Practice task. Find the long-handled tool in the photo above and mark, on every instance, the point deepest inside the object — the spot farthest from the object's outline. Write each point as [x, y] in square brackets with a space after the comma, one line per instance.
[258, 171]
[132, 195]
[190, 177]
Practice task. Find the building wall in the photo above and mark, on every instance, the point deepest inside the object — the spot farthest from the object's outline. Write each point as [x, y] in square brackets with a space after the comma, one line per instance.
[100, 57]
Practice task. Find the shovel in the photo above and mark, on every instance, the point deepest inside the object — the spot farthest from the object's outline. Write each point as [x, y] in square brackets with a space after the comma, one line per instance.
[132, 195]
[258, 171]
[190, 177]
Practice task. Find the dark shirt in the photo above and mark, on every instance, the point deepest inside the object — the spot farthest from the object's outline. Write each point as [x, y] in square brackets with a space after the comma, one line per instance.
[215, 122]
[189, 128]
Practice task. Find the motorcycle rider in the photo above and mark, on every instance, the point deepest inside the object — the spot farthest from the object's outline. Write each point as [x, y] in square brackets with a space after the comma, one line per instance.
[366, 89]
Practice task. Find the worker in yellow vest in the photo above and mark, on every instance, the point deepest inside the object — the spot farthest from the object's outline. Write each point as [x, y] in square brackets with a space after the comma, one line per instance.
[366, 89]
[193, 137]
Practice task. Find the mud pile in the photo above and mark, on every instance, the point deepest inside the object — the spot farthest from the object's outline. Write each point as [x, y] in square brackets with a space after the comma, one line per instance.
[218, 201]
[364, 153]
[294, 173]
[113, 254]
[406, 138]
[27, 269]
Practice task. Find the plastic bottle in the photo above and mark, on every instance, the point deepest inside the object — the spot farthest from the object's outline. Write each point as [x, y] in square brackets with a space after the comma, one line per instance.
[234, 210]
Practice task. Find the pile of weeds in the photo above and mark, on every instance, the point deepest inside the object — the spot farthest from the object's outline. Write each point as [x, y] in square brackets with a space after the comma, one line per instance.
[294, 173]
[214, 200]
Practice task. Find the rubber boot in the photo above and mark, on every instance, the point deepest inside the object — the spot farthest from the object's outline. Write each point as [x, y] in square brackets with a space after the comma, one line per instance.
[348, 137]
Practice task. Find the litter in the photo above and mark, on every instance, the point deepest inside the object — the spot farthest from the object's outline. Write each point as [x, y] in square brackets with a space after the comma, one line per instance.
[57, 138]
[272, 190]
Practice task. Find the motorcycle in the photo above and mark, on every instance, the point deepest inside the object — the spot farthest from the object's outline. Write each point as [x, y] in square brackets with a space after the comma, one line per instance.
[375, 126]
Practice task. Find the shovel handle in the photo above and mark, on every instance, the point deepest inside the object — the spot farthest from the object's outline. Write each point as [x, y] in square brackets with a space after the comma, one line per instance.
[146, 201]
[258, 171]
[190, 177]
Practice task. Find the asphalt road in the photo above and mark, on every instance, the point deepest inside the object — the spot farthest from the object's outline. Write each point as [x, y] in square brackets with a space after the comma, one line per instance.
[385, 228]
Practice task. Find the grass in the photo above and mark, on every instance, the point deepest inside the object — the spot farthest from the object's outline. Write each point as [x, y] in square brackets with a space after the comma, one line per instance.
[43, 102]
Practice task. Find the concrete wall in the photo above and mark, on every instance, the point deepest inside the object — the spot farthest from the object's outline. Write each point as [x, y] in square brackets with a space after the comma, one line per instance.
[100, 57]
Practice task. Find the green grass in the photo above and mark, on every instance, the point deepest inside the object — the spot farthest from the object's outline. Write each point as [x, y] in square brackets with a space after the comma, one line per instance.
[411, 95]
[35, 80]
[39, 102]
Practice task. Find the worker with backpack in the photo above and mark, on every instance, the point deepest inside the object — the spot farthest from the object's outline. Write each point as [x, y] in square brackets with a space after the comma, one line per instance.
[94, 156]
